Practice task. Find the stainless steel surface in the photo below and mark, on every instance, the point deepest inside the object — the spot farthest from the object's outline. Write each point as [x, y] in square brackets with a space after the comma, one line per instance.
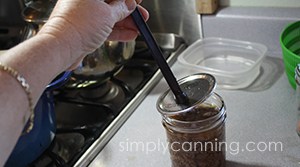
[174, 16]
[166, 41]
[108, 57]
[109, 132]
[114, 53]
[38, 11]
[197, 87]
[29, 31]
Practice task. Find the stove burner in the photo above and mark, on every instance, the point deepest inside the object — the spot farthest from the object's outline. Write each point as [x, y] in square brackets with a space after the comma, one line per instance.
[94, 92]
[103, 93]
[68, 145]
[75, 83]
[103, 77]
[74, 115]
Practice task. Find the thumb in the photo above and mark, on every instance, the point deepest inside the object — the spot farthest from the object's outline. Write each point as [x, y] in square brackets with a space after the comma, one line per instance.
[122, 8]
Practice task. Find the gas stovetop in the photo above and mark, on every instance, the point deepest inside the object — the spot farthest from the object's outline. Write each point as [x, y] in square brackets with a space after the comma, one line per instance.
[89, 112]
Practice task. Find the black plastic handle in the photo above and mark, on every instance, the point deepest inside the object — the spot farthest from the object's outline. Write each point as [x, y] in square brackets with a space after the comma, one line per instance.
[157, 54]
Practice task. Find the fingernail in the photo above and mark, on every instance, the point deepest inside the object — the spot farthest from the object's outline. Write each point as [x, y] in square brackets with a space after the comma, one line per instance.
[131, 4]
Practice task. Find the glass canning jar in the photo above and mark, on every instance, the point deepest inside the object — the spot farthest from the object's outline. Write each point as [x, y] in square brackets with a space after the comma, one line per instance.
[195, 133]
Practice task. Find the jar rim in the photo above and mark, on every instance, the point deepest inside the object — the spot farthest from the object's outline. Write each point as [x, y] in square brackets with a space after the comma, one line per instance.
[221, 109]
[221, 112]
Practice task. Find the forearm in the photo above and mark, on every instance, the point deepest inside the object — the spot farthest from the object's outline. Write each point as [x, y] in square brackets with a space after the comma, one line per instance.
[74, 29]
[39, 60]
[38, 71]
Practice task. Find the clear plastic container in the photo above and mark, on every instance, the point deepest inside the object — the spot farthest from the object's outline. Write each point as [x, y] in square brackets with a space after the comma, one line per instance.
[235, 64]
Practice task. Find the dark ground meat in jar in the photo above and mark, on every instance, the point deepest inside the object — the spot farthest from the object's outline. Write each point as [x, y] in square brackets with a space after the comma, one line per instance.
[203, 149]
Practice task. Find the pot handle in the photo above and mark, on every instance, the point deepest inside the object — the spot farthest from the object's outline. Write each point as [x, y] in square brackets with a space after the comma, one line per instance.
[60, 80]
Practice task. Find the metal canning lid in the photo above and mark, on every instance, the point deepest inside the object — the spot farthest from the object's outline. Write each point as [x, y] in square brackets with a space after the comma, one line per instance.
[297, 74]
[197, 87]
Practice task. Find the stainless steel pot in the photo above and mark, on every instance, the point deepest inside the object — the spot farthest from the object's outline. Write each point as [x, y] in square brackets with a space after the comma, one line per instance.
[108, 58]
[38, 11]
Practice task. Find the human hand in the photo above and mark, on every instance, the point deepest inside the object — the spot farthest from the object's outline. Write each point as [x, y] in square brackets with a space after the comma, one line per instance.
[82, 26]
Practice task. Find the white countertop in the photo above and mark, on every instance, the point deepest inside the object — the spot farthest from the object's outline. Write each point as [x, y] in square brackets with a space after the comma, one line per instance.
[261, 120]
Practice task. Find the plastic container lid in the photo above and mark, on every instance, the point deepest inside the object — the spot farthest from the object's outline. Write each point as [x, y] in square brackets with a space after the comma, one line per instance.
[235, 64]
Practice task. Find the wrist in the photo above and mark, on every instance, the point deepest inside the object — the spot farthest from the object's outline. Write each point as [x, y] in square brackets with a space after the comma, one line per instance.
[66, 40]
